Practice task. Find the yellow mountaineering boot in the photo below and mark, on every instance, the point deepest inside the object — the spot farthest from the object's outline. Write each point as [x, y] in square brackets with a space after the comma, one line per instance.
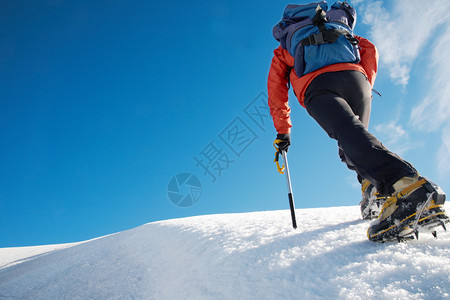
[417, 203]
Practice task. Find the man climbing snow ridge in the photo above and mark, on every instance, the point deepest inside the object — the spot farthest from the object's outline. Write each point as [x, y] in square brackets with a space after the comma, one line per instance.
[332, 72]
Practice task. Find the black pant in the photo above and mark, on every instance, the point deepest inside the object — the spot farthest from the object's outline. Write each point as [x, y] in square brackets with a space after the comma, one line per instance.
[340, 102]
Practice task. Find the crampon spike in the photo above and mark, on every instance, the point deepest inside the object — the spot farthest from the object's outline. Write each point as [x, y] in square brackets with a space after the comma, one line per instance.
[434, 233]
[443, 225]
[416, 233]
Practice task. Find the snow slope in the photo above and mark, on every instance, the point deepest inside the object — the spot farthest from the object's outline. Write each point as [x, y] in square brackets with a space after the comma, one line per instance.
[234, 256]
[17, 255]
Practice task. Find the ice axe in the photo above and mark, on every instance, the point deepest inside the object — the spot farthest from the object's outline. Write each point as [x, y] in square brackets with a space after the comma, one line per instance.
[285, 170]
[290, 195]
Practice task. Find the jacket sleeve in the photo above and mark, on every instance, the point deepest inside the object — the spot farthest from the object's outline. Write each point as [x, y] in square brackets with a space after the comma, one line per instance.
[278, 90]
[369, 58]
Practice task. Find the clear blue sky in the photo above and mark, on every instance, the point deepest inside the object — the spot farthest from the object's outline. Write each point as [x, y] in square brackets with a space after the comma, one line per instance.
[102, 103]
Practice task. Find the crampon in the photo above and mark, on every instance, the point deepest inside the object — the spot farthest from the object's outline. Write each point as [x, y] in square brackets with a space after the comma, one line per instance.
[424, 221]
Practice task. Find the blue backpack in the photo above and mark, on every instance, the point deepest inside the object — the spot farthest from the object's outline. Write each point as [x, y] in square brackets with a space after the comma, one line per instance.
[318, 37]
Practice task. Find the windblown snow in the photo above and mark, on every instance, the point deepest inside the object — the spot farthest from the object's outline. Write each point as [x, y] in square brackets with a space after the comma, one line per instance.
[234, 256]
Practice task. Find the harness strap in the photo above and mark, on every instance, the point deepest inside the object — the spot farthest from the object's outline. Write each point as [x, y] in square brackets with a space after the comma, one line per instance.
[328, 36]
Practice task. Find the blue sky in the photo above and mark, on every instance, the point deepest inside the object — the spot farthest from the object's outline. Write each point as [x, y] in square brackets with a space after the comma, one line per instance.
[102, 103]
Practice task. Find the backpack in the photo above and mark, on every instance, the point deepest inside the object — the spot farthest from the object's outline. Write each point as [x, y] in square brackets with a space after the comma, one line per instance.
[318, 37]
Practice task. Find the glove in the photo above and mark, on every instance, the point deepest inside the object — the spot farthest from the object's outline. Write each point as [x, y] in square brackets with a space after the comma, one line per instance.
[283, 141]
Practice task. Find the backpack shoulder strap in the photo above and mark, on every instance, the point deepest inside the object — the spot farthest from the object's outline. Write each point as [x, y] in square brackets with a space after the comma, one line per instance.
[320, 17]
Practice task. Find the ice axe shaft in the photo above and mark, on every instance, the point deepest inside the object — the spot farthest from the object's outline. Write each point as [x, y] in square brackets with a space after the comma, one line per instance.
[290, 195]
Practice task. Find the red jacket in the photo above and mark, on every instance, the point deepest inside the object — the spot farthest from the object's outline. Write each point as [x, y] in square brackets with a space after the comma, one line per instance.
[281, 72]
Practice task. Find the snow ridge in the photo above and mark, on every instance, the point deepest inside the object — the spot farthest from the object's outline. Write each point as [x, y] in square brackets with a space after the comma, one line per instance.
[236, 256]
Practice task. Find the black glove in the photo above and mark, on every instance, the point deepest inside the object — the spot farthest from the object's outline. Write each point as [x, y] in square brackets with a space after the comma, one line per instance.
[283, 142]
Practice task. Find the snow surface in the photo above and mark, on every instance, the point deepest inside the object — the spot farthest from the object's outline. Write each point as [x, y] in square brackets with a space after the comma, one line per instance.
[16, 255]
[234, 256]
